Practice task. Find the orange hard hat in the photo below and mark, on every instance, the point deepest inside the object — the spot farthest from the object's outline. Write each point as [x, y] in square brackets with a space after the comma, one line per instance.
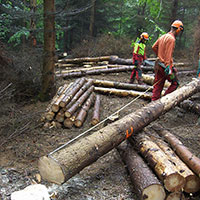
[178, 25]
[145, 36]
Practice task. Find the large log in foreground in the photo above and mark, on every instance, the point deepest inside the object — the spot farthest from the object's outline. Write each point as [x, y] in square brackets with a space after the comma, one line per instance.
[182, 151]
[146, 184]
[159, 162]
[68, 160]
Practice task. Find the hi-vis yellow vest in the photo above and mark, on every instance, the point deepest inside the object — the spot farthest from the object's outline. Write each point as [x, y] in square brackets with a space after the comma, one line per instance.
[139, 48]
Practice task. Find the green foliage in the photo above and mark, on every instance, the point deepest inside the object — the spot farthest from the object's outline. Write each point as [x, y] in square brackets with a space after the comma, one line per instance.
[16, 38]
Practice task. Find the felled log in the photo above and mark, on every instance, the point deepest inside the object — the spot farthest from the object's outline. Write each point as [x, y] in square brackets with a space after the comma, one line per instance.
[79, 93]
[120, 85]
[187, 72]
[192, 161]
[192, 183]
[191, 106]
[62, 65]
[72, 92]
[60, 116]
[96, 72]
[68, 160]
[49, 115]
[146, 184]
[55, 104]
[70, 111]
[84, 110]
[176, 196]
[160, 163]
[85, 59]
[96, 113]
[150, 80]
[123, 93]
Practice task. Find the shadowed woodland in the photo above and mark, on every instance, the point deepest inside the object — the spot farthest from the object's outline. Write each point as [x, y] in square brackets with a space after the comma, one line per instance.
[47, 47]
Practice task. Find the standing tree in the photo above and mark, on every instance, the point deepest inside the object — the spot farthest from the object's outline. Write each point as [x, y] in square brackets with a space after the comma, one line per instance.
[48, 75]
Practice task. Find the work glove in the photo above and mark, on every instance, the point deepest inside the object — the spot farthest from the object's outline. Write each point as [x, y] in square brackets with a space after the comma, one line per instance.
[136, 63]
[168, 71]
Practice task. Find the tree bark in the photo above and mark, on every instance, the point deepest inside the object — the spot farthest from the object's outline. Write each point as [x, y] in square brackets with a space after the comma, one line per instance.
[122, 93]
[96, 113]
[96, 72]
[183, 152]
[86, 59]
[55, 104]
[71, 159]
[48, 75]
[74, 89]
[146, 184]
[70, 111]
[150, 80]
[192, 184]
[160, 163]
[79, 93]
[91, 28]
[120, 85]
[191, 106]
[84, 110]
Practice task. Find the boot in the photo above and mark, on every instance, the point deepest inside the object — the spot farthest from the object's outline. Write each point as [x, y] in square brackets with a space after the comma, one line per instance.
[140, 82]
[131, 80]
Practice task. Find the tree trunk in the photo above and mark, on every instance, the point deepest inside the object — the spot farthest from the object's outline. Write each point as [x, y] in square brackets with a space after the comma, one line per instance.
[120, 85]
[122, 93]
[49, 115]
[79, 93]
[176, 196]
[146, 184]
[91, 28]
[48, 75]
[96, 113]
[191, 106]
[160, 163]
[33, 4]
[74, 89]
[71, 159]
[83, 112]
[70, 111]
[192, 184]
[60, 117]
[183, 152]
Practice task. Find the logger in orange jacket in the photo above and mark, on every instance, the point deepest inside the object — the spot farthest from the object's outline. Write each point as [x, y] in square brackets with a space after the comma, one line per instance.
[164, 69]
[138, 57]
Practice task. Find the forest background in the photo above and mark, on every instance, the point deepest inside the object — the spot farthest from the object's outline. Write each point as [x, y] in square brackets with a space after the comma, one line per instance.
[87, 28]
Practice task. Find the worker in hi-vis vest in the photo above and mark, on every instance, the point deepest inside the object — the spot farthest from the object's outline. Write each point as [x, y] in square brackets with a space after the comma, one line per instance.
[138, 57]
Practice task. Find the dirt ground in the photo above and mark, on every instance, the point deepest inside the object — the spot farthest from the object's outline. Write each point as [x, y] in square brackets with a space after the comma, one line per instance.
[24, 139]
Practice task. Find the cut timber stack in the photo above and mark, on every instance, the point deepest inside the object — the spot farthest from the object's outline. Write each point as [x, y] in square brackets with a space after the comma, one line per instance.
[160, 163]
[192, 184]
[69, 160]
[146, 184]
[66, 105]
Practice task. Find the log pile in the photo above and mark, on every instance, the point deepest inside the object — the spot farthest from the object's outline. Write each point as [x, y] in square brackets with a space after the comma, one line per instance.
[170, 168]
[73, 101]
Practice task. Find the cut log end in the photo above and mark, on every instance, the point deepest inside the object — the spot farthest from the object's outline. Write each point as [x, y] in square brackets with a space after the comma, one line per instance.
[78, 123]
[55, 108]
[174, 182]
[94, 122]
[176, 196]
[154, 192]
[50, 170]
[192, 184]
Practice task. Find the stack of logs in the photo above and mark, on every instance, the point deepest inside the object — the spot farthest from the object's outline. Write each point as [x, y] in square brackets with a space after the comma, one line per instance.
[79, 67]
[72, 101]
[159, 164]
